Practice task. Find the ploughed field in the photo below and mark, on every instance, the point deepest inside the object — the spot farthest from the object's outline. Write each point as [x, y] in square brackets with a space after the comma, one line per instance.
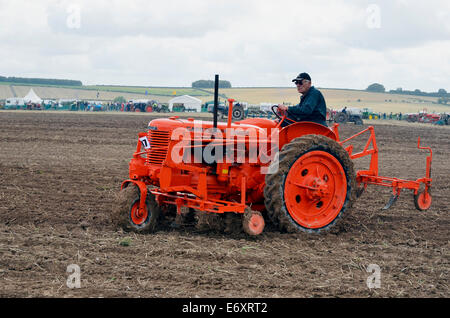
[59, 174]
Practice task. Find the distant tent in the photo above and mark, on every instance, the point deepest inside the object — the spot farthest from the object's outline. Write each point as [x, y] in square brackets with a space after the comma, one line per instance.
[31, 97]
[185, 102]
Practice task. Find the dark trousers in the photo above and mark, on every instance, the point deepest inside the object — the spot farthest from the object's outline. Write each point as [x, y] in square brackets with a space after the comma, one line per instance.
[287, 122]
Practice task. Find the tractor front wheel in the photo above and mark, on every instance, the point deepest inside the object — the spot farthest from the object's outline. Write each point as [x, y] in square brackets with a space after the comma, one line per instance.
[127, 215]
[253, 222]
[358, 121]
[315, 184]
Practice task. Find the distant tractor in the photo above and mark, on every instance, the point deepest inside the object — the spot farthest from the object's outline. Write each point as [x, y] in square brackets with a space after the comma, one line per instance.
[429, 118]
[345, 115]
[412, 117]
[443, 120]
[161, 108]
[238, 112]
[256, 112]
[423, 117]
[367, 113]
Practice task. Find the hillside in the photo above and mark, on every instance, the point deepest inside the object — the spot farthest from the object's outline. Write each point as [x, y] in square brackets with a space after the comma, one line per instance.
[335, 98]
[338, 98]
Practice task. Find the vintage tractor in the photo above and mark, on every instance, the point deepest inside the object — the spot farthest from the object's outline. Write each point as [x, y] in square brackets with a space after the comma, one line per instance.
[301, 177]
[353, 115]
[238, 112]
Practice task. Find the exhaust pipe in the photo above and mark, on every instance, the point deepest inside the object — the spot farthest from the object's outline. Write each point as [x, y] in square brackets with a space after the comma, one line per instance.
[216, 99]
[230, 112]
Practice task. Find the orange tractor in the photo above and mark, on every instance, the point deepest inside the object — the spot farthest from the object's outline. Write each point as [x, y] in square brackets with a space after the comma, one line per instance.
[301, 177]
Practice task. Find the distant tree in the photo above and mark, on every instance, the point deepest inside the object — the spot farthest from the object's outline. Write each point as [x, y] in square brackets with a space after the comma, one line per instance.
[203, 84]
[224, 84]
[40, 81]
[210, 84]
[375, 87]
[442, 92]
[120, 100]
[417, 91]
[443, 100]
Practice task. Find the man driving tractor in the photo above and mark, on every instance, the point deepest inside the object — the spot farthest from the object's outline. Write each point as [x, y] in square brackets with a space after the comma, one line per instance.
[312, 106]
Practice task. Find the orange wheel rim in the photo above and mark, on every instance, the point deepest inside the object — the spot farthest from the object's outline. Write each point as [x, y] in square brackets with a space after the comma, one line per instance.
[138, 217]
[424, 200]
[315, 189]
[256, 224]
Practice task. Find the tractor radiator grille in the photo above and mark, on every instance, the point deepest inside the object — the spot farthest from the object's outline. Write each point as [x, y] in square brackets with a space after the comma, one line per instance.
[159, 144]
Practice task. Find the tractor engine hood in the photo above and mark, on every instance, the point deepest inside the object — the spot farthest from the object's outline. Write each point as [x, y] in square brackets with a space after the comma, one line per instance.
[172, 123]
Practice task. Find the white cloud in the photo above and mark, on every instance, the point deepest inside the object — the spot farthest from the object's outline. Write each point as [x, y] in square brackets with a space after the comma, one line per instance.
[250, 43]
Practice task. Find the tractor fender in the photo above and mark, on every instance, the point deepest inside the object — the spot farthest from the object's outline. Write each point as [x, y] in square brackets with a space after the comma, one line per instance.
[142, 188]
[303, 128]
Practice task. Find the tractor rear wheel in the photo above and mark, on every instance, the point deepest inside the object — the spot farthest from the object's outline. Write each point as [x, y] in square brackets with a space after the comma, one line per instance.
[238, 113]
[126, 213]
[315, 185]
[341, 118]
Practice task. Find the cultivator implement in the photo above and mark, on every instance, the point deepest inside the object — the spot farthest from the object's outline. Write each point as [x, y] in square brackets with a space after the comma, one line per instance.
[421, 186]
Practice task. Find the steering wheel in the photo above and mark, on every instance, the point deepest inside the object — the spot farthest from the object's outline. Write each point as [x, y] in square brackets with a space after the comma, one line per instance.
[276, 112]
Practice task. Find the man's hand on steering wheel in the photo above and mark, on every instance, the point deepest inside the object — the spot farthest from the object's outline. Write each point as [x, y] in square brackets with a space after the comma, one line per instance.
[279, 111]
[282, 110]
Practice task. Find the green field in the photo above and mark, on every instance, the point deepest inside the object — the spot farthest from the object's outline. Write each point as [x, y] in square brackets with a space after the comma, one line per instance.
[41, 85]
[163, 91]
[158, 91]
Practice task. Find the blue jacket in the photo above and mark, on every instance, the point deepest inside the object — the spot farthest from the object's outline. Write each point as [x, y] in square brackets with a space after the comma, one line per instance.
[312, 107]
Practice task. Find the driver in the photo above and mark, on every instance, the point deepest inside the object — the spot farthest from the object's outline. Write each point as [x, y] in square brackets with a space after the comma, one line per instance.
[312, 105]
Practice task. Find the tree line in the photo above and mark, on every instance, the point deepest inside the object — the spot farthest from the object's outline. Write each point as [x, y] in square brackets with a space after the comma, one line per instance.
[40, 81]
[442, 94]
[210, 84]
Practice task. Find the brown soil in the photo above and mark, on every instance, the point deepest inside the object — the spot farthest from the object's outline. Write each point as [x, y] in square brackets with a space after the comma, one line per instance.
[59, 174]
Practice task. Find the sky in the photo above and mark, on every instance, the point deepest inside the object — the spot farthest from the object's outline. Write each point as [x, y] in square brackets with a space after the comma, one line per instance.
[251, 43]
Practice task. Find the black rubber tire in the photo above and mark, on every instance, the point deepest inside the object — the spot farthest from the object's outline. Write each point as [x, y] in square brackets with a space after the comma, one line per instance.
[358, 121]
[246, 221]
[238, 113]
[341, 118]
[121, 212]
[416, 200]
[274, 188]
